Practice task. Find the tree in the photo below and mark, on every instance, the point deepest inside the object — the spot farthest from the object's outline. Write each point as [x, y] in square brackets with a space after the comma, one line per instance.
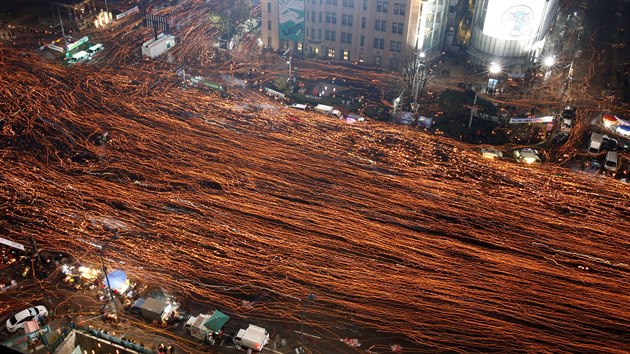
[414, 72]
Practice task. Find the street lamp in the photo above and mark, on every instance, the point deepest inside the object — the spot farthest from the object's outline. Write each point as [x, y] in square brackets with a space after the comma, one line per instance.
[419, 66]
[100, 248]
[310, 297]
[289, 62]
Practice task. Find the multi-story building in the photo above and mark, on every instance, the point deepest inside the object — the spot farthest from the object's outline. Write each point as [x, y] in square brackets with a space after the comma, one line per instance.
[510, 32]
[374, 32]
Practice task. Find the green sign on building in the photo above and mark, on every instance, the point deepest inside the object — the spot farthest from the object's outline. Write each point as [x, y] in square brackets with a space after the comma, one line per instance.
[291, 20]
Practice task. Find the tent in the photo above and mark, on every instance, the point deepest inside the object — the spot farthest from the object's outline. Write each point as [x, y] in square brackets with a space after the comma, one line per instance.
[216, 321]
[118, 281]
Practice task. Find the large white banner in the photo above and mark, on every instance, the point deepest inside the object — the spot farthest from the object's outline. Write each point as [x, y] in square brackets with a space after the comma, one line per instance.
[514, 19]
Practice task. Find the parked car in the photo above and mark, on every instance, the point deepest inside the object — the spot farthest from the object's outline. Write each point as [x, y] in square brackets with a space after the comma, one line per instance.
[526, 155]
[16, 322]
[489, 153]
[612, 161]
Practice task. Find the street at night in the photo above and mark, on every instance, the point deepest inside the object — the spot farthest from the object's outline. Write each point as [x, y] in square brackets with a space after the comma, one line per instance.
[409, 239]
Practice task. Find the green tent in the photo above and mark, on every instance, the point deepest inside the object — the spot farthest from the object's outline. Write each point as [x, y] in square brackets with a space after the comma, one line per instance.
[216, 321]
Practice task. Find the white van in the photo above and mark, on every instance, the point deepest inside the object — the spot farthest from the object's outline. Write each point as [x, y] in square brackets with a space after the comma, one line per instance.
[79, 57]
[595, 143]
[299, 106]
[95, 48]
[253, 338]
[612, 161]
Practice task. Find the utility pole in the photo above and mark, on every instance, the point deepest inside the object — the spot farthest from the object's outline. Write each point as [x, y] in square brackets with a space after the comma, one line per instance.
[310, 297]
[472, 109]
[111, 293]
[63, 33]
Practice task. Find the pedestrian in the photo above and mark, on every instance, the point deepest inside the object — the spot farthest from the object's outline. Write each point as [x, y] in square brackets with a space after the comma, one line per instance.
[448, 73]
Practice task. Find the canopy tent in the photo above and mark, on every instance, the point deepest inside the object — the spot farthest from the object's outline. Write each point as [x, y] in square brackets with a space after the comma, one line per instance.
[216, 321]
[118, 281]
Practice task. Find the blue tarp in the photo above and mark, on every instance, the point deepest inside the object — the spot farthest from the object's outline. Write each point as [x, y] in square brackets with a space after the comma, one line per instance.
[117, 280]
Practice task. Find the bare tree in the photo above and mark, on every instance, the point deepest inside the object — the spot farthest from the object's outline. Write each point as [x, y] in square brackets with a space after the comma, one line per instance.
[415, 73]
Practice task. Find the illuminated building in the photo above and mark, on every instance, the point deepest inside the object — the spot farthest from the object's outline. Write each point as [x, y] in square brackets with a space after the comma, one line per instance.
[510, 32]
[373, 32]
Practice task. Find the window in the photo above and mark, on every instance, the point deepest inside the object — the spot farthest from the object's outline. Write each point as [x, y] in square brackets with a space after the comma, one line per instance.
[269, 41]
[320, 17]
[269, 7]
[397, 28]
[334, 17]
[379, 43]
[364, 4]
[380, 25]
[328, 17]
[377, 60]
[315, 50]
[363, 22]
[313, 16]
[269, 25]
[399, 9]
[312, 33]
[331, 53]
[346, 20]
[362, 41]
[381, 6]
[346, 37]
[348, 3]
[395, 46]
[327, 35]
[333, 35]
[346, 55]
[319, 34]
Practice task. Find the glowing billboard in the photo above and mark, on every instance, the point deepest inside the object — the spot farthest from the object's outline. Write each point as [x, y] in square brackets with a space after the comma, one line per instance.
[291, 20]
[514, 19]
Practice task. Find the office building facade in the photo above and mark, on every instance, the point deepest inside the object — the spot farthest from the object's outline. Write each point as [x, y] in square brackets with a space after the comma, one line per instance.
[372, 32]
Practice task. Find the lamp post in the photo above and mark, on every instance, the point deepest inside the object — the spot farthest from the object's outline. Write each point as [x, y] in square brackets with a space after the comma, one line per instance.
[310, 297]
[419, 66]
[289, 62]
[100, 248]
[548, 64]
[111, 293]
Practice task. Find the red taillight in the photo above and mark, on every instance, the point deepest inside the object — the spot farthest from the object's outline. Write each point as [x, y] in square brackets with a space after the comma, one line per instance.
[257, 346]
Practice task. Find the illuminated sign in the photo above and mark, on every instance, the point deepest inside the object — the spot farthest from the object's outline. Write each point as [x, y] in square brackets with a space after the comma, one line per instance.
[128, 12]
[74, 45]
[514, 19]
[545, 119]
[291, 20]
[11, 243]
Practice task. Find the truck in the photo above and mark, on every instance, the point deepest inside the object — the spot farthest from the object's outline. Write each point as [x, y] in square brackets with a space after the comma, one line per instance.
[205, 326]
[254, 338]
[328, 110]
